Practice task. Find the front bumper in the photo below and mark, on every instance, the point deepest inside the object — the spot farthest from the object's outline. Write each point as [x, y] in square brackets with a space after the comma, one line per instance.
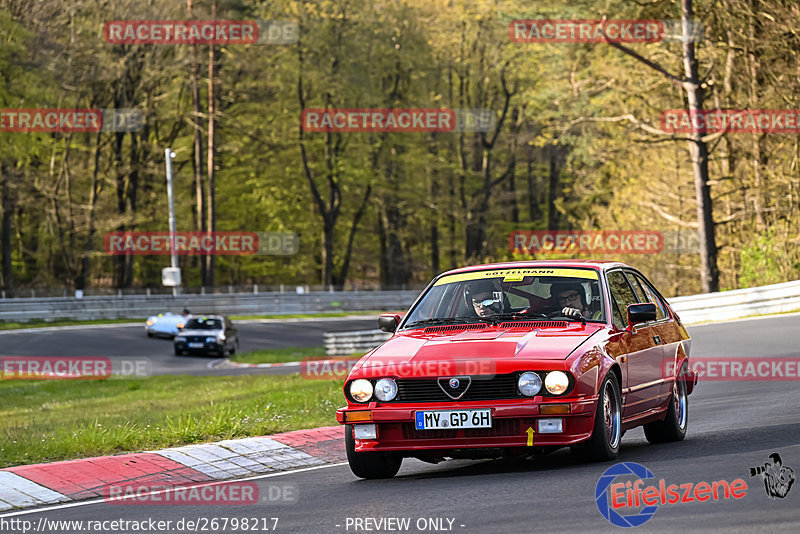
[511, 420]
[206, 348]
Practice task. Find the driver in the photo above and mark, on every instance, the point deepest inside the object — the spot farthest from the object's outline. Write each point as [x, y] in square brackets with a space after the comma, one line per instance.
[480, 298]
[572, 299]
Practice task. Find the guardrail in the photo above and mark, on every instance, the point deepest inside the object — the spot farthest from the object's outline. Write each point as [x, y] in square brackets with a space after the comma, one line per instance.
[344, 343]
[142, 306]
[737, 303]
[693, 309]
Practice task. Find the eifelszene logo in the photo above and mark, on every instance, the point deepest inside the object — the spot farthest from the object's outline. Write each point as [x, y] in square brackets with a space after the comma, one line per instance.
[778, 478]
[639, 502]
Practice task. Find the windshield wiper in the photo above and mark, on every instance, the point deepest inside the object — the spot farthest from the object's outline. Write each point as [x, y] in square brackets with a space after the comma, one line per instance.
[449, 320]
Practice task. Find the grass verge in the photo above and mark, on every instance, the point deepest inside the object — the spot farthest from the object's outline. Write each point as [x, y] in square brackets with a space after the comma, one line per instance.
[38, 323]
[45, 421]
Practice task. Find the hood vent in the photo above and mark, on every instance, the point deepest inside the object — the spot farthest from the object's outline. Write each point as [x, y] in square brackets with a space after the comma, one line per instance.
[455, 327]
[534, 324]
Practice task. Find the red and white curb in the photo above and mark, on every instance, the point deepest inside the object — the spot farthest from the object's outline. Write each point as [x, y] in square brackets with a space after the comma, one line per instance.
[36, 485]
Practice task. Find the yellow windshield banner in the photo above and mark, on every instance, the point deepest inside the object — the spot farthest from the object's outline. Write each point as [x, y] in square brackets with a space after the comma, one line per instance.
[517, 275]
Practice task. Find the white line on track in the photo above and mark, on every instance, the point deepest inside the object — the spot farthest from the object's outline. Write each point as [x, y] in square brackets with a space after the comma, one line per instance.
[156, 492]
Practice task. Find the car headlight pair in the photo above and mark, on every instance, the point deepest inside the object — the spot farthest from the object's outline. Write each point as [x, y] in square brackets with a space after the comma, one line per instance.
[530, 383]
[362, 390]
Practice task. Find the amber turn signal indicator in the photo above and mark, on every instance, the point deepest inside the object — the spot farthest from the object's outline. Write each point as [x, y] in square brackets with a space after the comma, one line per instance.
[553, 409]
[361, 415]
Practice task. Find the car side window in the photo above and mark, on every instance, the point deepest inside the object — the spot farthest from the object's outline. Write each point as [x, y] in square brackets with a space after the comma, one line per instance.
[651, 296]
[622, 295]
[637, 289]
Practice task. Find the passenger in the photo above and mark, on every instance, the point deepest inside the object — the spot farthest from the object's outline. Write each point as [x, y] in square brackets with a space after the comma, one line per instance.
[572, 299]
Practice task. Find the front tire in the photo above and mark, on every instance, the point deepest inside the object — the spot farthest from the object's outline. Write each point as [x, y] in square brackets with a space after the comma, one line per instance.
[674, 425]
[370, 464]
[604, 444]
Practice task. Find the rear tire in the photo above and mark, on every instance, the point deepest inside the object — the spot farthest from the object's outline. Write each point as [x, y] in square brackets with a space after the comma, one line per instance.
[604, 444]
[370, 464]
[674, 425]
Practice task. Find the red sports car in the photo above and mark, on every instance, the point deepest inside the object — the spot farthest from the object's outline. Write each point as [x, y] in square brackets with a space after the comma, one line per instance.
[516, 359]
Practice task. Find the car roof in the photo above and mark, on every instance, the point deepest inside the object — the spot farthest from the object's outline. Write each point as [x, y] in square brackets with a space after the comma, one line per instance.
[207, 316]
[602, 265]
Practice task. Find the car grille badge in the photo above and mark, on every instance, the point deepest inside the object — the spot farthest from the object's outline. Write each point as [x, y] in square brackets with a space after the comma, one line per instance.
[454, 387]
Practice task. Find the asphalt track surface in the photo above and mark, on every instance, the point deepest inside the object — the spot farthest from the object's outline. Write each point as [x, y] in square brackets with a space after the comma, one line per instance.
[732, 426]
[130, 343]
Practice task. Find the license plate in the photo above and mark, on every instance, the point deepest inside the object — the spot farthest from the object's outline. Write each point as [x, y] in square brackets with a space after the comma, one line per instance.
[196, 345]
[453, 419]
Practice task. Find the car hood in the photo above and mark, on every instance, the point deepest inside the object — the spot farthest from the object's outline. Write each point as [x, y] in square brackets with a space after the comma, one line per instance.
[494, 350]
[207, 333]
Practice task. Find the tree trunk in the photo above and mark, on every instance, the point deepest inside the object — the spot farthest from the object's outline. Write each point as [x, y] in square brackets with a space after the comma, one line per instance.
[212, 215]
[5, 228]
[759, 160]
[553, 185]
[534, 212]
[201, 224]
[699, 154]
[94, 192]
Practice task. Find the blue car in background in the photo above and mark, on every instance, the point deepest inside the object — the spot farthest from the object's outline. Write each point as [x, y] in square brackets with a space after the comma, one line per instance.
[164, 324]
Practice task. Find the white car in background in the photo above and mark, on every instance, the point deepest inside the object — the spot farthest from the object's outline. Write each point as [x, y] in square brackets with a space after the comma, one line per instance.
[164, 324]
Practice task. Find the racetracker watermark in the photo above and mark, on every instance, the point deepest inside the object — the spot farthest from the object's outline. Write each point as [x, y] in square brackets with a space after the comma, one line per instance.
[206, 243]
[586, 31]
[329, 369]
[200, 32]
[339, 368]
[72, 367]
[731, 120]
[727, 369]
[213, 493]
[602, 242]
[397, 120]
[629, 503]
[589, 242]
[74, 120]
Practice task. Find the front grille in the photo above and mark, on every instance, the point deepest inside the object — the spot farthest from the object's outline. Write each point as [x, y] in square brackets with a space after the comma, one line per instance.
[534, 324]
[481, 388]
[455, 327]
[500, 428]
[195, 339]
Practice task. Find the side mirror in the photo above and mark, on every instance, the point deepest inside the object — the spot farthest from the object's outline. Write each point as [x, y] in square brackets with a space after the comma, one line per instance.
[388, 322]
[641, 313]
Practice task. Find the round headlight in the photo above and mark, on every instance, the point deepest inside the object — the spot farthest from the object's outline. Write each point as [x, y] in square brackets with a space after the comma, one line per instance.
[529, 384]
[361, 390]
[386, 389]
[556, 382]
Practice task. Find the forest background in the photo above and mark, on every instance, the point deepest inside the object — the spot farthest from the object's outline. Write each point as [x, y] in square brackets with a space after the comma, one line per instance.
[575, 145]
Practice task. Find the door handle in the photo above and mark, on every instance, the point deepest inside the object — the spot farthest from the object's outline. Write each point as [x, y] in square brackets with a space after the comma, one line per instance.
[657, 339]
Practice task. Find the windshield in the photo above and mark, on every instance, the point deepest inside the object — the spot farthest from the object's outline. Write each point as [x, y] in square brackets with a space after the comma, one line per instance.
[509, 294]
[203, 324]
